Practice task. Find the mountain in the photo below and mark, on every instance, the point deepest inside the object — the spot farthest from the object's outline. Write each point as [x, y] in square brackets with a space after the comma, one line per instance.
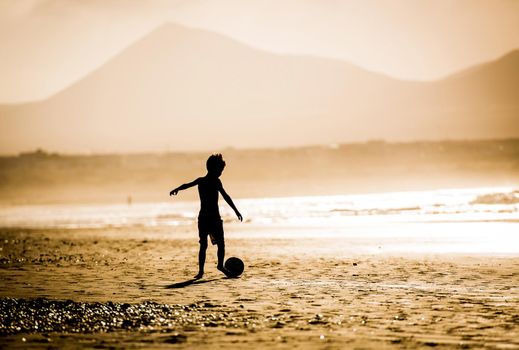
[180, 88]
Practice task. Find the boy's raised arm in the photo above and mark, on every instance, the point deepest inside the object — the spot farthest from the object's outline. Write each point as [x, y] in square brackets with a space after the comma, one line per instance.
[183, 187]
[230, 202]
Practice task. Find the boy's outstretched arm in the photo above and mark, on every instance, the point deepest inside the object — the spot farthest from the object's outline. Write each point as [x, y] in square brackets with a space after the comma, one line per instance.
[183, 187]
[230, 202]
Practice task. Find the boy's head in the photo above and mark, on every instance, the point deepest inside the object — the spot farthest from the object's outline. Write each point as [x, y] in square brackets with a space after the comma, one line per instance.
[215, 164]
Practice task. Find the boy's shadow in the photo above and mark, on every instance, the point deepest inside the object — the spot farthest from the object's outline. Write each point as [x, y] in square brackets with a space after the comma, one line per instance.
[190, 282]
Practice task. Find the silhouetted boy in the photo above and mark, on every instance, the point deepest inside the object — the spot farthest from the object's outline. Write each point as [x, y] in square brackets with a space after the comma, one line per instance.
[209, 221]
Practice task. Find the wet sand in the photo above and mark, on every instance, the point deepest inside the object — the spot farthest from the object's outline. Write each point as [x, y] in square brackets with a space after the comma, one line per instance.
[132, 288]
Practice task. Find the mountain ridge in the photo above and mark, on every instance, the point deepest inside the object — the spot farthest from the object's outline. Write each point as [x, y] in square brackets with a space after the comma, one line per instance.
[180, 76]
[514, 52]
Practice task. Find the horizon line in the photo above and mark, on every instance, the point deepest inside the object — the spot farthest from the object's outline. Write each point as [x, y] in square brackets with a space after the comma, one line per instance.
[329, 146]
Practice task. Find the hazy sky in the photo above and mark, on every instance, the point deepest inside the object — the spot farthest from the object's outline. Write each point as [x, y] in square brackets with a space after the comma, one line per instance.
[45, 45]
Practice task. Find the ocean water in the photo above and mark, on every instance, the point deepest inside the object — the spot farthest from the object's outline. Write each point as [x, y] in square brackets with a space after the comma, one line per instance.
[451, 220]
[453, 205]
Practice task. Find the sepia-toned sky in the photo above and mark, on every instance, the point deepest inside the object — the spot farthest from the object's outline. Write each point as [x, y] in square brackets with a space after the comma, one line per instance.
[46, 45]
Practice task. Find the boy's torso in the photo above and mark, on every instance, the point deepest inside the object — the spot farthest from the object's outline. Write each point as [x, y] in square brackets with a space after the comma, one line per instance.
[208, 188]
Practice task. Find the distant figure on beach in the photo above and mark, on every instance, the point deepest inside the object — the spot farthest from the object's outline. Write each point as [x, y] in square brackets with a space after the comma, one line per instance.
[209, 220]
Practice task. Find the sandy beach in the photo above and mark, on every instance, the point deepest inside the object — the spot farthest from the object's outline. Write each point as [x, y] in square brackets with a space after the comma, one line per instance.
[132, 288]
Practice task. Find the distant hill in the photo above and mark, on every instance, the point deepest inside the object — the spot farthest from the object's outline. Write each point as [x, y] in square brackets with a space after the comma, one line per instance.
[187, 89]
[41, 177]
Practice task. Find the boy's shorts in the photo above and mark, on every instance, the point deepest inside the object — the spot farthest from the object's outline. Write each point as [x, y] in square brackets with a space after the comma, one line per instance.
[212, 227]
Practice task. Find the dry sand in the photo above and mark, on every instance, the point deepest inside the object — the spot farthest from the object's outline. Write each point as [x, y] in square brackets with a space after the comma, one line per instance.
[115, 288]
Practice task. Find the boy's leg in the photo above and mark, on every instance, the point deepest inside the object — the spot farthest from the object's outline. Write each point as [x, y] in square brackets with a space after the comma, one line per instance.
[201, 258]
[202, 234]
[220, 241]
[221, 254]
[221, 257]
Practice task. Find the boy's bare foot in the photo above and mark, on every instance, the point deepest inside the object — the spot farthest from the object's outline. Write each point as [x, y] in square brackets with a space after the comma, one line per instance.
[200, 275]
[223, 269]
